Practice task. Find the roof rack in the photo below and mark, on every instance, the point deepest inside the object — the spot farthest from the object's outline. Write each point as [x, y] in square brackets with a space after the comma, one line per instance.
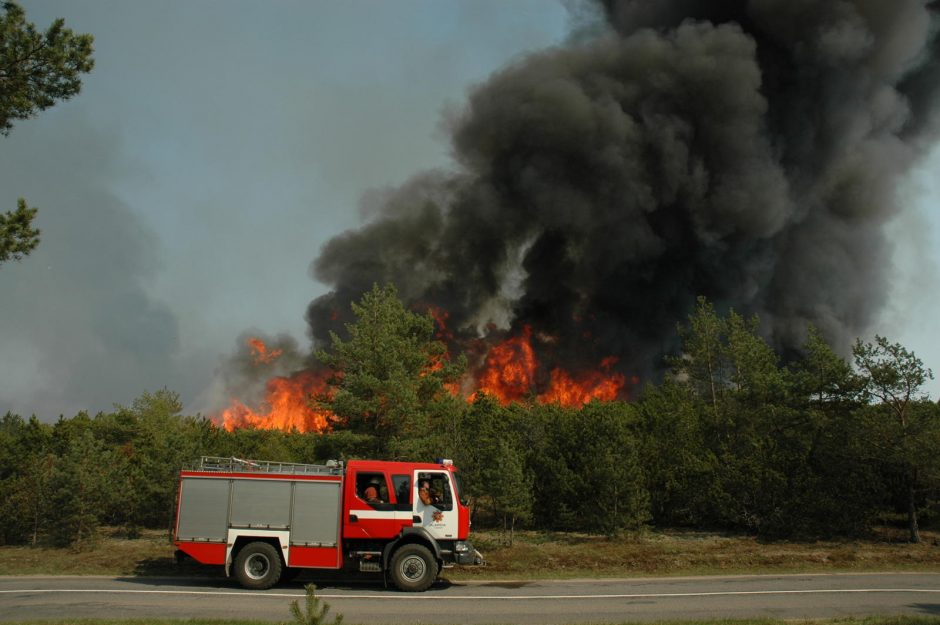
[227, 465]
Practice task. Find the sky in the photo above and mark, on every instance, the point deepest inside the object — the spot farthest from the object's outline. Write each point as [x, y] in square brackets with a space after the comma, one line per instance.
[217, 145]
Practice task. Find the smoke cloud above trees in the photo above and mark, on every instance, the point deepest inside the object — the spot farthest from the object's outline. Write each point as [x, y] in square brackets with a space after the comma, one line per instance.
[749, 151]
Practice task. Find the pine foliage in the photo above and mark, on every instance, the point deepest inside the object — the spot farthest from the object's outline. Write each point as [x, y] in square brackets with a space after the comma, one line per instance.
[734, 438]
[315, 610]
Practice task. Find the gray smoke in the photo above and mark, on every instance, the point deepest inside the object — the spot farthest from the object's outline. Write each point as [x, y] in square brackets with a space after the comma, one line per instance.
[745, 150]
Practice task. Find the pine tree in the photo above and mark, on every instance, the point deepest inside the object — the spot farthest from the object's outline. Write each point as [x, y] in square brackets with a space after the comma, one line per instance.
[390, 376]
[904, 430]
[315, 610]
[36, 71]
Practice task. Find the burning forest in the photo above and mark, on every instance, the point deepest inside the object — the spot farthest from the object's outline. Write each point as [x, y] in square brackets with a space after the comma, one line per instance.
[287, 399]
[508, 373]
[748, 151]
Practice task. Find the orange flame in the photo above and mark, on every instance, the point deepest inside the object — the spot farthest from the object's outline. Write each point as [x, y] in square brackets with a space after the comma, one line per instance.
[509, 374]
[601, 385]
[509, 369]
[261, 353]
[289, 403]
[440, 317]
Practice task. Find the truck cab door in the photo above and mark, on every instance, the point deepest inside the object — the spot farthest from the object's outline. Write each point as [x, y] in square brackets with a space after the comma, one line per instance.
[370, 514]
[439, 517]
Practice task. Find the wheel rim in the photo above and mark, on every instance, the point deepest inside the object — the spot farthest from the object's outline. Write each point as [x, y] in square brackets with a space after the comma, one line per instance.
[413, 568]
[257, 566]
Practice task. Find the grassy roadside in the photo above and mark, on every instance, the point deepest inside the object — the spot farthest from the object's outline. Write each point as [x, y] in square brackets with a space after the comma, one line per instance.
[877, 620]
[695, 553]
[538, 555]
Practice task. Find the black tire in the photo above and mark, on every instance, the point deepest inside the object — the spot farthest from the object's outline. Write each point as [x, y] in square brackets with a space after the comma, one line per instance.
[258, 566]
[413, 568]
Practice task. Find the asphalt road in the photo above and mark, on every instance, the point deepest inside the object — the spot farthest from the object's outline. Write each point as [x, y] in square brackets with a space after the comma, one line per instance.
[569, 601]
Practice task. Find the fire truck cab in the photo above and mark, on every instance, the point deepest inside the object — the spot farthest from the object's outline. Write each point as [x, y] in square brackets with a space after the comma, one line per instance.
[266, 521]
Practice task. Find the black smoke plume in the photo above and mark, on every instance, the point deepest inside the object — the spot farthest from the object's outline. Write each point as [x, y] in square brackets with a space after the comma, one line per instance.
[744, 150]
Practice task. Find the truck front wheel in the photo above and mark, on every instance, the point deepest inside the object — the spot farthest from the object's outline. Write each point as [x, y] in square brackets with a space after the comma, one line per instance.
[258, 566]
[413, 568]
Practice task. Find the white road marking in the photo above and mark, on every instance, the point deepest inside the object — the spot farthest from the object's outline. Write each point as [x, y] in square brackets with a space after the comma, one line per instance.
[434, 597]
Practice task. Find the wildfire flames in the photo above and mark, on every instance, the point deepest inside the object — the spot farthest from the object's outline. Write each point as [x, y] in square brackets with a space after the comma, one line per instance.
[510, 372]
[288, 403]
[509, 369]
[261, 353]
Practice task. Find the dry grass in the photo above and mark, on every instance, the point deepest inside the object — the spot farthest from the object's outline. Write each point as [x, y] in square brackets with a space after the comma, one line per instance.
[109, 554]
[537, 555]
[692, 553]
[874, 620]
[197, 621]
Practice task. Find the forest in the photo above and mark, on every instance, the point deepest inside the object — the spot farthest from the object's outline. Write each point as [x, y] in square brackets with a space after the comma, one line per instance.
[732, 436]
[735, 437]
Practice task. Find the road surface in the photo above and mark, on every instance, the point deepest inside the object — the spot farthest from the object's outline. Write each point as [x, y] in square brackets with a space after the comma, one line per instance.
[522, 602]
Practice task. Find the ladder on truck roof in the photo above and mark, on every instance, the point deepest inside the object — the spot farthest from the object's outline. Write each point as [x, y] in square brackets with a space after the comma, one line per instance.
[228, 465]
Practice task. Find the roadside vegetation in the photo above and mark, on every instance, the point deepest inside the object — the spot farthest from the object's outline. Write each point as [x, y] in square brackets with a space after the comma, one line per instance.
[679, 553]
[735, 441]
[879, 620]
[536, 555]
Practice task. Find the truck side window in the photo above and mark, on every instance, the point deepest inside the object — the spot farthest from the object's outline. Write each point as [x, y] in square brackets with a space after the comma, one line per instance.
[441, 497]
[372, 488]
[401, 484]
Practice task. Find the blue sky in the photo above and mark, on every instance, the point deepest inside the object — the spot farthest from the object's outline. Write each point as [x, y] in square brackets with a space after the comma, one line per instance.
[218, 144]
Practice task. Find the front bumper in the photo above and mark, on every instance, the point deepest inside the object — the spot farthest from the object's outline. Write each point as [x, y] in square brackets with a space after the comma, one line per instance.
[464, 553]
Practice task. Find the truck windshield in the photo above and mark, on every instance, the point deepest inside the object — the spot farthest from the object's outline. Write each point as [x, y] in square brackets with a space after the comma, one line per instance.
[458, 485]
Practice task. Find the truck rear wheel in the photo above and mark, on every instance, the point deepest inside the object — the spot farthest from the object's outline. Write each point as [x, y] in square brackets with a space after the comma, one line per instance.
[413, 568]
[258, 566]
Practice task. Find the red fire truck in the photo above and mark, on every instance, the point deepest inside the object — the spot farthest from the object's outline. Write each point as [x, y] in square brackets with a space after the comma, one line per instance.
[267, 521]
